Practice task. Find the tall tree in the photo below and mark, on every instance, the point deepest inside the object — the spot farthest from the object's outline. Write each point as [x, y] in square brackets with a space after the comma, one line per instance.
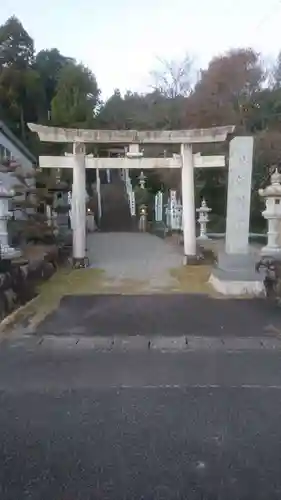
[16, 46]
[141, 111]
[76, 98]
[22, 96]
[264, 110]
[112, 113]
[49, 63]
[225, 89]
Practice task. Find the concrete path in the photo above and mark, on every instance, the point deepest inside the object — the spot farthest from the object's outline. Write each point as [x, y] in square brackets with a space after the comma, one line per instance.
[141, 258]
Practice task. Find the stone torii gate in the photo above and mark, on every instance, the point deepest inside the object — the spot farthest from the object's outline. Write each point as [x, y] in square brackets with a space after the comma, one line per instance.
[134, 159]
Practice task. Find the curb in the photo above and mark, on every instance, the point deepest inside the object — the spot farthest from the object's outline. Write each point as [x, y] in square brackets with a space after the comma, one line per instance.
[12, 316]
[184, 344]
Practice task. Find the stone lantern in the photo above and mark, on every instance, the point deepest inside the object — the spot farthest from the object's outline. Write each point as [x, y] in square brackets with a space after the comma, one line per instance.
[203, 219]
[143, 218]
[272, 212]
[7, 252]
[142, 179]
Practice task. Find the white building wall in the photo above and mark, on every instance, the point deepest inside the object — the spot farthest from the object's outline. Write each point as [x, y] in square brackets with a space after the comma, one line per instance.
[9, 150]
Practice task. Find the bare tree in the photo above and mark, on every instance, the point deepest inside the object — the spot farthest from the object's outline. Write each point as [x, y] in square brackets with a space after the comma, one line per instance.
[174, 78]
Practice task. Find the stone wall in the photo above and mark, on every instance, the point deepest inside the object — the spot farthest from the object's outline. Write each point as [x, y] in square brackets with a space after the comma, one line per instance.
[19, 279]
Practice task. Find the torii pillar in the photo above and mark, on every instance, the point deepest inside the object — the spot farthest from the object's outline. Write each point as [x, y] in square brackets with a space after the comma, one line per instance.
[79, 204]
[188, 204]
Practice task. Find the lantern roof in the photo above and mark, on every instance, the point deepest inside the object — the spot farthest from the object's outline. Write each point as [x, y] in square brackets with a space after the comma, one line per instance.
[274, 189]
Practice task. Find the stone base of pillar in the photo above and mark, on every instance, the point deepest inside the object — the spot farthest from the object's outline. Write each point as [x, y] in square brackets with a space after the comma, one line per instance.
[80, 263]
[192, 260]
[235, 275]
[203, 256]
[268, 251]
[202, 237]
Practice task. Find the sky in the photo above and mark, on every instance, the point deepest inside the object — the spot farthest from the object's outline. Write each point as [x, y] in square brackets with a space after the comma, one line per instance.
[121, 41]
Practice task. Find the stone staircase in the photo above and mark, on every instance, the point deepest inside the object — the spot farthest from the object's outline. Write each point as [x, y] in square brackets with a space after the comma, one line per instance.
[116, 216]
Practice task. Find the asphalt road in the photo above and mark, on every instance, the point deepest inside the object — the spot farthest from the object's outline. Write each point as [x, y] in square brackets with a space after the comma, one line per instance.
[194, 443]
[162, 314]
[196, 426]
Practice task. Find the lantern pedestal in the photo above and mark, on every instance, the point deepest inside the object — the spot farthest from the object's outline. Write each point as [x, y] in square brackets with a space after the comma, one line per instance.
[143, 219]
[235, 275]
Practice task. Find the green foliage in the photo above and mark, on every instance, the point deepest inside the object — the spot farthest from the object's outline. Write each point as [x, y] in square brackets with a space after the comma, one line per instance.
[31, 87]
[235, 88]
[21, 92]
[49, 63]
[16, 46]
[76, 97]
[141, 111]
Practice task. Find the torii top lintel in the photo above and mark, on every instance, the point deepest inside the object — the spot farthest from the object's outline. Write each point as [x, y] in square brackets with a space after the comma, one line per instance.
[71, 135]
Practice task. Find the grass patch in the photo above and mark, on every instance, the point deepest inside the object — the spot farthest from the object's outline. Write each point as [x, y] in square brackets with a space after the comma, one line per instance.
[69, 282]
[63, 282]
[192, 279]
